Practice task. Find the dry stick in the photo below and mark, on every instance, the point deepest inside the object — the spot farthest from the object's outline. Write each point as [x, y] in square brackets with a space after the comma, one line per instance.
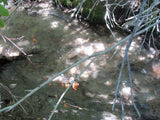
[13, 96]
[63, 71]
[130, 79]
[25, 54]
[75, 106]
[109, 20]
[122, 105]
[137, 26]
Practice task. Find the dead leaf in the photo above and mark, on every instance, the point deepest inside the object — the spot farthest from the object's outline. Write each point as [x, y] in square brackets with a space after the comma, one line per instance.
[56, 96]
[75, 85]
[66, 85]
[34, 40]
[44, 77]
[66, 105]
[49, 83]
[62, 84]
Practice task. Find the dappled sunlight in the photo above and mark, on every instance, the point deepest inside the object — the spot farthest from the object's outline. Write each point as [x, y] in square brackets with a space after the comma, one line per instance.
[128, 118]
[1, 49]
[136, 51]
[44, 5]
[150, 98]
[23, 43]
[74, 70]
[80, 30]
[89, 49]
[133, 47]
[85, 48]
[156, 70]
[91, 71]
[55, 24]
[12, 86]
[102, 96]
[126, 92]
[62, 78]
[144, 90]
[132, 50]
[119, 38]
[43, 13]
[86, 74]
[141, 58]
[121, 51]
[147, 54]
[109, 116]
[84, 32]
[10, 52]
[42, 9]
[108, 83]
[80, 41]
[89, 94]
[67, 27]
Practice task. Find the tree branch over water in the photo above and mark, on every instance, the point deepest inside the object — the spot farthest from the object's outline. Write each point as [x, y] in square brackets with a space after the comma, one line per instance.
[136, 28]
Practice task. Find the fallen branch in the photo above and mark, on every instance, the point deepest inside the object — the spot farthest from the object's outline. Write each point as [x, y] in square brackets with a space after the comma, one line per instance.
[5, 38]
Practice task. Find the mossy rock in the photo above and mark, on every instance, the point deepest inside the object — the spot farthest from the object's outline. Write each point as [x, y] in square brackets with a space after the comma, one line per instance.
[65, 3]
[96, 16]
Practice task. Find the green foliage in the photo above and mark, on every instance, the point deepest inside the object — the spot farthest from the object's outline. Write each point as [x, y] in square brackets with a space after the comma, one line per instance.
[4, 2]
[65, 2]
[75, 3]
[93, 15]
[1, 23]
[68, 2]
[3, 11]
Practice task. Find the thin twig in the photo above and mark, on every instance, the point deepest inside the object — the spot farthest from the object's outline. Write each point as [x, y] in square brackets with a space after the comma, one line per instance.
[13, 96]
[122, 105]
[130, 79]
[137, 26]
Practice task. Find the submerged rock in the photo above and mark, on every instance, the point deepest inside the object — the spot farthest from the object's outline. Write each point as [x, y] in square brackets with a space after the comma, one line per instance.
[10, 52]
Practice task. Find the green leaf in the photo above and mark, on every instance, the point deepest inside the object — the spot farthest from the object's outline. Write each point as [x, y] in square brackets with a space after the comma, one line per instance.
[5, 2]
[3, 11]
[68, 2]
[0, 1]
[1, 23]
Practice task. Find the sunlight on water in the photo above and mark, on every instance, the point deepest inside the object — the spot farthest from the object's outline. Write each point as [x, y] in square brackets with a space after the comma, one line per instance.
[54, 24]
[109, 116]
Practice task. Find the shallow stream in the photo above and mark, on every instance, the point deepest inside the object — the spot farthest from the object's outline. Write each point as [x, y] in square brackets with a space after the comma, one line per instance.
[58, 43]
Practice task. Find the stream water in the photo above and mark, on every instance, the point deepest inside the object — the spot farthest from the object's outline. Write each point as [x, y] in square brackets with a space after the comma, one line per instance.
[58, 43]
